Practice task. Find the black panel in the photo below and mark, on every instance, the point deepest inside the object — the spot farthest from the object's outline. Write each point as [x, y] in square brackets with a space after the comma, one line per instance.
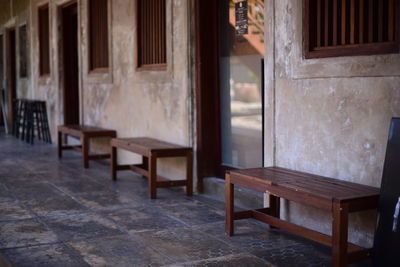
[387, 239]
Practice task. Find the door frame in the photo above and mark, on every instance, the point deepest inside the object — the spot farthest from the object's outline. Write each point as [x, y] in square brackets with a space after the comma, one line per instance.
[11, 68]
[207, 93]
[60, 53]
[208, 139]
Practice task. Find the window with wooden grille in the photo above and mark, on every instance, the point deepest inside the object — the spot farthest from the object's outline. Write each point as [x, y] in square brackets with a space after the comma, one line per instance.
[151, 22]
[44, 41]
[98, 35]
[23, 57]
[351, 27]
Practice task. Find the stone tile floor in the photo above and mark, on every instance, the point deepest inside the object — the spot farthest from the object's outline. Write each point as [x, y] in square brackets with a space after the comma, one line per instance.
[55, 213]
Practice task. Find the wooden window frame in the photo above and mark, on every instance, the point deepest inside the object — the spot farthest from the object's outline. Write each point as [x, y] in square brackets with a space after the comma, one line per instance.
[162, 29]
[92, 69]
[349, 49]
[42, 72]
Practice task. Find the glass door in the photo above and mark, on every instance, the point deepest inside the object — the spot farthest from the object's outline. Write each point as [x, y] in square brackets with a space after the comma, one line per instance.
[241, 84]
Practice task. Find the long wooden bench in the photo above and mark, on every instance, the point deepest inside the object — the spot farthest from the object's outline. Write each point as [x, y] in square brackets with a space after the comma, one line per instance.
[152, 149]
[84, 133]
[336, 196]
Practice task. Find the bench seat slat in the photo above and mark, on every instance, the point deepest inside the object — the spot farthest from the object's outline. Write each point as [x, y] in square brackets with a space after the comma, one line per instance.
[335, 182]
[320, 186]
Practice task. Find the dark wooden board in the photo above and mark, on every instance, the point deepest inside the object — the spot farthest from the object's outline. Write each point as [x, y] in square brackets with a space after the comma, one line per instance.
[387, 241]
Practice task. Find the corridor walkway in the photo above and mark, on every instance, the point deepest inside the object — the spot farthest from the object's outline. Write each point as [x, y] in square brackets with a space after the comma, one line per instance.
[55, 213]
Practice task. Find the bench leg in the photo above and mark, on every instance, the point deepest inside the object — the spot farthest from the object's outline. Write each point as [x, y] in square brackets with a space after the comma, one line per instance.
[85, 151]
[339, 234]
[145, 162]
[152, 179]
[189, 173]
[113, 163]
[275, 207]
[229, 208]
[59, 144]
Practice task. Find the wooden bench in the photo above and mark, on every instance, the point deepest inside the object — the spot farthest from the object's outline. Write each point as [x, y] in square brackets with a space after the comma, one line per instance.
[336, 196]
[151, 150]
[84, 133]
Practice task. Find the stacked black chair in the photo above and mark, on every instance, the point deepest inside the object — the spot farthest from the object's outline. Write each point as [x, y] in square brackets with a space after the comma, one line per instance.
[31, 117]
[41, 121]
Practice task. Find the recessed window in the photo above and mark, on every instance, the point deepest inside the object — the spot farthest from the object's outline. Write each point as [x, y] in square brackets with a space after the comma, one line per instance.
[98, 35]
[151, 34]
[351, 27]
[44, 41]
[23, 57]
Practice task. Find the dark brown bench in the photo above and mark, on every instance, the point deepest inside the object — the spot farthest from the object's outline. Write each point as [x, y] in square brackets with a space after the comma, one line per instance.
[152, 149]
[336, 196]
[84, 133]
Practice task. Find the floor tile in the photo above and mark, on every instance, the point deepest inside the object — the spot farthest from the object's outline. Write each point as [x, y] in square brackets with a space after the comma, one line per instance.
[44, 256]
[79, 186]
[118, 251]
[55, 206]
[5, 194]
[61, 175]
[142, 219]
[194, 212]
[109, 200]
[300, 255]
[250, 235]
[227, 261]
[185, 244]
[26, 189]
[13, 211]
[24, 233]
[82, 226]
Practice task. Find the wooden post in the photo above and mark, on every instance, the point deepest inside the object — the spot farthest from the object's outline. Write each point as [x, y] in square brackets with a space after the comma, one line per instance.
[335, 24]
[229, 205]
[275, 206]
[361, 22]
[145, 162]
[343, 31]
[340, 223]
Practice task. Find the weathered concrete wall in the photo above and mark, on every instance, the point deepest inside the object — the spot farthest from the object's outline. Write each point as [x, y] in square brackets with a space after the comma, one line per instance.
[14, 14]
[45, 87]
[19, 6]
[330, 116]
[142, 103]
[5, 11]
[135, 103]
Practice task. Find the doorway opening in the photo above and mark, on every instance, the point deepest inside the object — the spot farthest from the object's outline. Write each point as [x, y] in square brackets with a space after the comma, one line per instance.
[12, 75]
[229, 87]
[241, 76]
[70, 66]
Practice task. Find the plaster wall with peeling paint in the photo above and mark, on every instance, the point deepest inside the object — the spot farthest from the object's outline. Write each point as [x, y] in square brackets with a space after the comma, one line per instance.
[327, 116]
